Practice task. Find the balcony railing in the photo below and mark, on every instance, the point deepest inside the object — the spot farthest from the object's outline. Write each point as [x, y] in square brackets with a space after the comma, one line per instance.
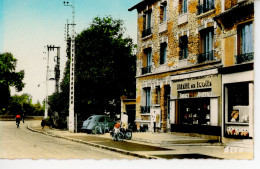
[146, 70]
[206, 6]
[146, 32]
[145, 109]
[244, 57]
[204, 57]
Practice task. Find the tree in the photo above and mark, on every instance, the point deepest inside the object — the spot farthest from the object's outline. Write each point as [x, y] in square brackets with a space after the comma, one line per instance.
[23, 105]
[9, 78]
[105, 67]
[104, 70]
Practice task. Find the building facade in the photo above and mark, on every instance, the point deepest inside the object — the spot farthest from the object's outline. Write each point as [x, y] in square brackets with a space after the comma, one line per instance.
[180, 58]
[237, 23]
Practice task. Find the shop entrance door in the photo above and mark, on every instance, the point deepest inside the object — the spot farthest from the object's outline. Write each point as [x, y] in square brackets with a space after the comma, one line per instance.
[194, 111]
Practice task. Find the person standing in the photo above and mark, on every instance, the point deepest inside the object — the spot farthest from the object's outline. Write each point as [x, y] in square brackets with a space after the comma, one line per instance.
[18, 118]
[23, 117]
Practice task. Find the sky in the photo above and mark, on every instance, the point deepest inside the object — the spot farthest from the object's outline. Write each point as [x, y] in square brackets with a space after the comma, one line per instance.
[28, 26]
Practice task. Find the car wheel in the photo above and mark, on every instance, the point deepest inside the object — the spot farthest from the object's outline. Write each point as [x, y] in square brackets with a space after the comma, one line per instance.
[97, 130]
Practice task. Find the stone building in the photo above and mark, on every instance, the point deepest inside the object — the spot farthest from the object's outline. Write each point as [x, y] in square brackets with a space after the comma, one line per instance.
[237, 25]
[180, 55]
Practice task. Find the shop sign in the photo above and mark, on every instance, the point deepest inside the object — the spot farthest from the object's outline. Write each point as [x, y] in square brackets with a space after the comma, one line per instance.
[184, 95]
[199, 84]
[196, 94]
[204, 94]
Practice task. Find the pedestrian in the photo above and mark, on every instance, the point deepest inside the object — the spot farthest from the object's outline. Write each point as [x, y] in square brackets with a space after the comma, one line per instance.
[51, 122]
[17, 119]
[43, 123]
[23, 117]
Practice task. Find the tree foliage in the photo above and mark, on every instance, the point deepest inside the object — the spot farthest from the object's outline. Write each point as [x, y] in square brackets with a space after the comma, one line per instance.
[9, 78]
[104, 70]
[23, 104]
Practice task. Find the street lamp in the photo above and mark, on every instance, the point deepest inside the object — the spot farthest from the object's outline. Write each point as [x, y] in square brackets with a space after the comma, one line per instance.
[72, 70]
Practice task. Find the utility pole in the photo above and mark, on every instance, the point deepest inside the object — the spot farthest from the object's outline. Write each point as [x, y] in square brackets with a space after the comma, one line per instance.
[57, 74]
[72, 71]
[47, 79]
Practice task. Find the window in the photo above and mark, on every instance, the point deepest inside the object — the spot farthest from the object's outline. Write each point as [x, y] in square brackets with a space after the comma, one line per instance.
[238, 102]
[183, 6]
[147, 103]
[163, 12]
[147, 61]
[157, 95]
[163, 53]
[183, 47]
[206, 45]
[147, 18]
[102, 119]
[205, 6]
[245, 43]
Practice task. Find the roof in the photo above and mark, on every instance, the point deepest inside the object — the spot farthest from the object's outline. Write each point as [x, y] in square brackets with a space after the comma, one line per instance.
[142, 4]
[247, 5]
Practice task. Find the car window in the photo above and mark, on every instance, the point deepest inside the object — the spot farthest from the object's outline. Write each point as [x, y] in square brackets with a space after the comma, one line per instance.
[102, 119]
[90, 118]
[109, 119]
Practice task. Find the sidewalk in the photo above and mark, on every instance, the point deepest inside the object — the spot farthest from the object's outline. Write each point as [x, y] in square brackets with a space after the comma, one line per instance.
[169, 145]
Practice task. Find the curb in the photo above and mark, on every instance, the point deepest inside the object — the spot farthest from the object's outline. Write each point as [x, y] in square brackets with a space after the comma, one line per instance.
[95, 145]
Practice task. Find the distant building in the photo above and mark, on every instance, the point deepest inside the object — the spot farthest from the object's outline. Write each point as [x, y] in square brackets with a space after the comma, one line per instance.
[183, 54]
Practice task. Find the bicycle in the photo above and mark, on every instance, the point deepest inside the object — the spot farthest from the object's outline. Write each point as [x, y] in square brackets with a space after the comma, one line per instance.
[117, 136]
[101, 128]
[127, 132]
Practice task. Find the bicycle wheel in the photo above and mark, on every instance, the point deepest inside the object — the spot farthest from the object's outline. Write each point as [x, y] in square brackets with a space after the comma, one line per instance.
[128, 135]
[97, 130]
[120, 136]
[113, 135]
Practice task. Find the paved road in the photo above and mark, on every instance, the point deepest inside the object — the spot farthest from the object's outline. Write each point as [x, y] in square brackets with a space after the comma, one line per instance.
[22, 143]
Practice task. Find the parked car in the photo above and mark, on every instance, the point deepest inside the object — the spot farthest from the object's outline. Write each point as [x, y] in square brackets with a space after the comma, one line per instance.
[95, 120]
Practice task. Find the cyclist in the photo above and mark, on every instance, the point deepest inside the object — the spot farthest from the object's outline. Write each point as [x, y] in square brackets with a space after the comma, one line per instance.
[18, 118]
[117, 127]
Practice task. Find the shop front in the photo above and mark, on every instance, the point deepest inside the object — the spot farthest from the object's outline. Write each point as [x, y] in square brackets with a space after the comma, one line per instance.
[238, 106]
[196, 102]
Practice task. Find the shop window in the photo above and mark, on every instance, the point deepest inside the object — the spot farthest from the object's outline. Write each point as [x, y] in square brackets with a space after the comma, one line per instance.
[206, 45]
[245, 43]
[147, 61]
[205, 6]
[237, 110]
[163, 12]
[147, 22]
[163, 53]
[147, 99]
[195, 111]
[183, 42]
[238, 103]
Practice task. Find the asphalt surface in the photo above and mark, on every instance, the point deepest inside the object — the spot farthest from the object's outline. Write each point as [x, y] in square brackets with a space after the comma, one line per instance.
[145, 145]
[21, 143]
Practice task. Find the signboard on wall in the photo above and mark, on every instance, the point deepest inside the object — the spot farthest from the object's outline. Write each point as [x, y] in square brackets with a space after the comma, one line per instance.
[195, 85]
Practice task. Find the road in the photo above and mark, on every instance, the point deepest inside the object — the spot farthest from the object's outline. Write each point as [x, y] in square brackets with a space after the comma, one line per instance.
[17, 143]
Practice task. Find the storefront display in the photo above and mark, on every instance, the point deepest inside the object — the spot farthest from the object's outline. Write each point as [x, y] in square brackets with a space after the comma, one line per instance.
[195, 111]
[237, 110]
